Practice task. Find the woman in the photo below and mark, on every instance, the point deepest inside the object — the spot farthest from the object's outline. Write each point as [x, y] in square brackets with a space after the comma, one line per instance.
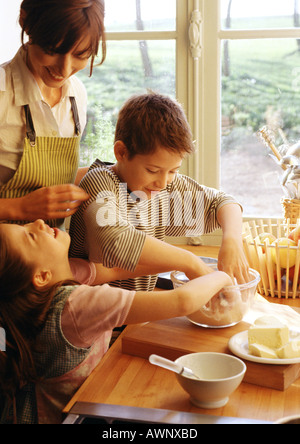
[43, 109]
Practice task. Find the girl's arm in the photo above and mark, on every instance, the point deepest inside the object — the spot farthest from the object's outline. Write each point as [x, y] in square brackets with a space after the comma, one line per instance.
[184, 300]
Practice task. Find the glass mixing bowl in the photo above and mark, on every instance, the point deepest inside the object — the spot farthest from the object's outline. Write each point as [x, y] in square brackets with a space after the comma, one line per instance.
[228, 307]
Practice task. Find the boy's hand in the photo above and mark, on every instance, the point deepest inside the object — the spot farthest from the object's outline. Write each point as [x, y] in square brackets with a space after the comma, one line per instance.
[233, 261]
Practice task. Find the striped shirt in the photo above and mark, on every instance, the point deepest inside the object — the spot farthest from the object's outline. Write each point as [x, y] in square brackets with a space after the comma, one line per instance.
[111, 227]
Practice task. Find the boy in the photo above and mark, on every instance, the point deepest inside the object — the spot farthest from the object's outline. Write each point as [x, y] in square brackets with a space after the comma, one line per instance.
[137, 202]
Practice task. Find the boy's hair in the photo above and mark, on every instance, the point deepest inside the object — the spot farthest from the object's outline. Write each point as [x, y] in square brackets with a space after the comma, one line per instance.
[151, 120]
[56, 25]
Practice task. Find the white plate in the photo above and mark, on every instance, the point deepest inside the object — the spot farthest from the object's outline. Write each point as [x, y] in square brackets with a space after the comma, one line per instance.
[238, 345]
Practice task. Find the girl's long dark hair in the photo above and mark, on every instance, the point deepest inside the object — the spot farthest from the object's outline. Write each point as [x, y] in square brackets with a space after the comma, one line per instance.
[23, 312]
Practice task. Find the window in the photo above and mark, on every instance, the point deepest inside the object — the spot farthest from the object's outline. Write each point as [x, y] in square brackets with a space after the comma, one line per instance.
[141, 55]
[250, 79]
[233, 64]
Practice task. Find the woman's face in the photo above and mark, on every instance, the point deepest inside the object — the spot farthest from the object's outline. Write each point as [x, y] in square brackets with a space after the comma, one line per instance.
[53, 70]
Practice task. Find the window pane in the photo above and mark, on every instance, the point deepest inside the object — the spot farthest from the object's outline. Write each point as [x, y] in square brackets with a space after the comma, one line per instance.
[131, 67]
[132, 15]
[251, 14]
[260, 86]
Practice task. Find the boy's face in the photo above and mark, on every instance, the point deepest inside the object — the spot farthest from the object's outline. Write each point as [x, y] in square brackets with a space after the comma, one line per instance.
[149, 173]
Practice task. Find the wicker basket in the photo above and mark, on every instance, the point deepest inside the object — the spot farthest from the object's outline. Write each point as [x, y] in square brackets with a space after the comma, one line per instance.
[291, 209]
[278, 265]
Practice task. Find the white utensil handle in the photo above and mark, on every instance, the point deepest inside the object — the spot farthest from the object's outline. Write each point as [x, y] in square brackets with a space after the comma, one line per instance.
[165, 363]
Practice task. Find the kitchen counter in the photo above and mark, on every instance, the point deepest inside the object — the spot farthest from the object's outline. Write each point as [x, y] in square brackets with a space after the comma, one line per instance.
[125, 380]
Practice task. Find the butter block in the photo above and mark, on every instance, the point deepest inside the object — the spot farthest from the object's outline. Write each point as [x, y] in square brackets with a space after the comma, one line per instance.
[289, 351]
[271, 336]
[262, 351]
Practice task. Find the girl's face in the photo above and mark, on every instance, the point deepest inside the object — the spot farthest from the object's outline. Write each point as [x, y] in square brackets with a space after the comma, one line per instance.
[44, 247]
[148, 173]
[54, 69]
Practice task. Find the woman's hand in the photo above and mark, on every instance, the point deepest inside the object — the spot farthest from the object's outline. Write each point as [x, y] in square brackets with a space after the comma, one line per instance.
[54, 202]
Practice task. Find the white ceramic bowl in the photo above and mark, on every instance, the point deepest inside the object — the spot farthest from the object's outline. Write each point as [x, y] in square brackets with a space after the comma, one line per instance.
[221, 373]
[228, 308]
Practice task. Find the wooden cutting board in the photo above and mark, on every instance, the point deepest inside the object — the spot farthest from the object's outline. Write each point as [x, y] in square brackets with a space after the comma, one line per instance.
[175, 337]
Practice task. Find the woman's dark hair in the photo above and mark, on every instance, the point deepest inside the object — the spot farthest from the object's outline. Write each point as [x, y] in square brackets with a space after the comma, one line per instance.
[56, 25]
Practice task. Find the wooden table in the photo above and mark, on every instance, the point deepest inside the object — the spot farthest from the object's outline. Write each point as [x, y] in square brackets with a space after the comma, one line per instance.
[127, 380]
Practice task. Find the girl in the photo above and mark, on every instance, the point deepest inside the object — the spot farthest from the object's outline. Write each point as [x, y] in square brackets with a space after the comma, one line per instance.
[58, 330]
[43, 109]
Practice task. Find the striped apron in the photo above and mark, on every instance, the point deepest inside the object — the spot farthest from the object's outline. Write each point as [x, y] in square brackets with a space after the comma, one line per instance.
[46, 161]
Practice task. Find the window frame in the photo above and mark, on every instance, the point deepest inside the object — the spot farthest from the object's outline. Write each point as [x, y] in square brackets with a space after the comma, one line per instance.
[180, 35]
[199, 37]
[209, 96]
[195, 35]
[210, 82]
